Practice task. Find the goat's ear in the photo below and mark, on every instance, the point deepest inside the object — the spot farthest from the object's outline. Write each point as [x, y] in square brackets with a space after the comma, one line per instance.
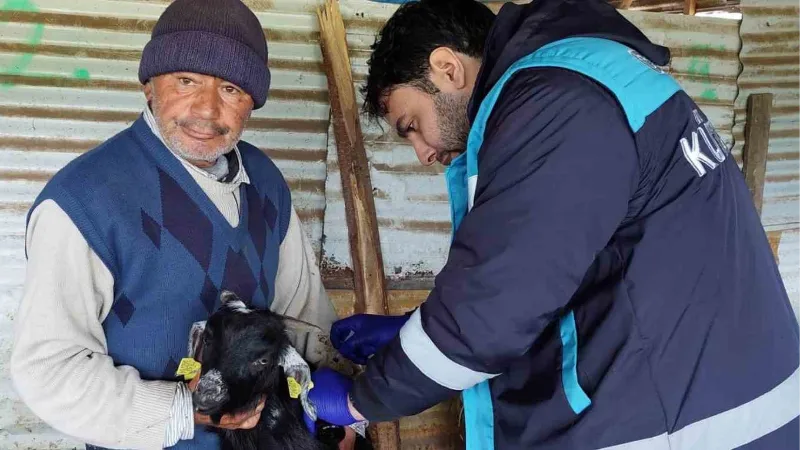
[195, 338]
[227, 296]
[296, 368]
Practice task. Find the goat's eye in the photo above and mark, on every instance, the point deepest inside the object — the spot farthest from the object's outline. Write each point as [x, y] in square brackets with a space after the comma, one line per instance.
[262, 362]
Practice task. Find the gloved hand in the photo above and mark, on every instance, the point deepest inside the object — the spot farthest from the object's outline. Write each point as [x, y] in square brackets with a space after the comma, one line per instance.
[360, 336]
[329, 397]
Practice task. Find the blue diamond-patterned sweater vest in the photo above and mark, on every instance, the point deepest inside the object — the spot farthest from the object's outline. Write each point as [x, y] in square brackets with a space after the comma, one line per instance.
[168, 247]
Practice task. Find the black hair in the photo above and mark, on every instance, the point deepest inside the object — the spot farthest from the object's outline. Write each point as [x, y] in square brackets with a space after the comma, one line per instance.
[400, 54]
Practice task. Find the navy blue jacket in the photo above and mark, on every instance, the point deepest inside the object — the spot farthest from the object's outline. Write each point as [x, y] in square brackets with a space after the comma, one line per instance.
[646, 240]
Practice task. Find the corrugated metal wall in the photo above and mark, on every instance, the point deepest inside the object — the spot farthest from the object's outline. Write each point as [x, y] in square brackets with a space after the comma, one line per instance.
[770, 64]
[411, 200]
[770, 32]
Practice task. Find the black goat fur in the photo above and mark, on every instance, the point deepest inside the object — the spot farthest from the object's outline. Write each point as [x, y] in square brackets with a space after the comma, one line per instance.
[245, 346]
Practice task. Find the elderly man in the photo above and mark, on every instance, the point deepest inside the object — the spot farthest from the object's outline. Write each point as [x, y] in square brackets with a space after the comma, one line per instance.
[609, 283]
[132, 242]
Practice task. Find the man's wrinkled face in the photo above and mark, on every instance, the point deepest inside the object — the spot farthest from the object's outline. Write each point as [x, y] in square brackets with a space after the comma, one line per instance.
[200, 117]
[435, 124]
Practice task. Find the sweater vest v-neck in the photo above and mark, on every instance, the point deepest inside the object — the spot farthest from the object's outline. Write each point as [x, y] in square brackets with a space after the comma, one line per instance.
[168, 247]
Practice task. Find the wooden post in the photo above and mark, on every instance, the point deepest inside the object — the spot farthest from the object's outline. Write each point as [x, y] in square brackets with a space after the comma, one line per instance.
[690, 7]
[756, 145]
[362, 224]
[625, 4]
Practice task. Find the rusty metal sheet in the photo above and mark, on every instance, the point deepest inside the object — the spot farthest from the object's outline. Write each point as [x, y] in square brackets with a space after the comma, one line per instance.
[68, 82]
[770, 54]
[411, 200]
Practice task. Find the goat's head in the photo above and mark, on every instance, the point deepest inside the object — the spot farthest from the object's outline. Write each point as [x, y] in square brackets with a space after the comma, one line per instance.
[241, 353]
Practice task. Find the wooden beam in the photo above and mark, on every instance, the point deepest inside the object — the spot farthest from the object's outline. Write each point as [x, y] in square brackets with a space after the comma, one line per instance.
[756, 145]
[362, 224]
[671, 6]
[690, 7]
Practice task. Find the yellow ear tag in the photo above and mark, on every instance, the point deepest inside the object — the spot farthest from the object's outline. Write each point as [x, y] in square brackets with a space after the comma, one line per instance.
[294, 387]
[188, 368]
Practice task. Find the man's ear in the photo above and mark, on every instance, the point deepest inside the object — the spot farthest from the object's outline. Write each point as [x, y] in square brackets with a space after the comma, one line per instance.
[447, 70]
[148, 90]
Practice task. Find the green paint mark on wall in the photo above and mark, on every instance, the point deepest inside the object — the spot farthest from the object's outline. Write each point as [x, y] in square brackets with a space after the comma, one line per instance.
[20, 65]
[18, 5]
[700, 67]
[81, 74]
[709, 94]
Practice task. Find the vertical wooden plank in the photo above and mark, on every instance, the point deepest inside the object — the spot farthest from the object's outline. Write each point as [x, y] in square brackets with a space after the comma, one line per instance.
[756, 145]
[362, 223]
[690, 7]
[774, 239]
[625, 4]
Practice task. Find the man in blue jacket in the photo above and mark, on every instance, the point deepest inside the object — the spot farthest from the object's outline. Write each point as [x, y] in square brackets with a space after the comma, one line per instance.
[609, 283]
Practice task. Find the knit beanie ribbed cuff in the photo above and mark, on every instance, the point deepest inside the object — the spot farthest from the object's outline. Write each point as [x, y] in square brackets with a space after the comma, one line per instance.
[209, 54]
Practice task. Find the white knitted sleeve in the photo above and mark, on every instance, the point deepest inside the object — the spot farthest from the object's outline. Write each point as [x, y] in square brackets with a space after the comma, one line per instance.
[60, 364]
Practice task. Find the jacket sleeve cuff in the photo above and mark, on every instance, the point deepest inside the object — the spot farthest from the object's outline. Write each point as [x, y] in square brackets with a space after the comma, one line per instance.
[392, 387]
[150, 413]
[181, 417]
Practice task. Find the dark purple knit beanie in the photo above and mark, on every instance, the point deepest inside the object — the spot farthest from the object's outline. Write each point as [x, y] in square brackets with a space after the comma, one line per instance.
[222, 38]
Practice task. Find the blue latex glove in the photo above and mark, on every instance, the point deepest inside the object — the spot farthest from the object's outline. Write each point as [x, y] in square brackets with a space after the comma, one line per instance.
[329, 397]
[360, 336]
[311, 426]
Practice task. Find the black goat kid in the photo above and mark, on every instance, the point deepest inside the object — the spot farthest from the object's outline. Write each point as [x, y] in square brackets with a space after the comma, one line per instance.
[242, 353]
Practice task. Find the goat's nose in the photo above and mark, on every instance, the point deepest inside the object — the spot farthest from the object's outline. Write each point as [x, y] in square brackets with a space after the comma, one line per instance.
[211, 392]
[201, 403]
